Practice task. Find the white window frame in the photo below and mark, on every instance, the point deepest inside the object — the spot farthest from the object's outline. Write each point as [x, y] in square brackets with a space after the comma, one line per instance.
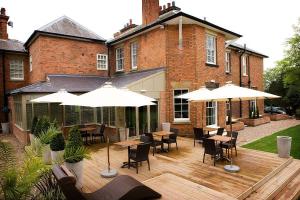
[120, 59]
[13, 67]
[30, 63]
[134, 54]
[215, 114]
[174, 104]
[227, 62]
[211, 49]
[245, 65]
[253, 103]
[102, 61]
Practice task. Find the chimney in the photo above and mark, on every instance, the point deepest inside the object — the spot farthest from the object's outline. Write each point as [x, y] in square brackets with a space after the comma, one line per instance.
[3, 24]
[150, 10]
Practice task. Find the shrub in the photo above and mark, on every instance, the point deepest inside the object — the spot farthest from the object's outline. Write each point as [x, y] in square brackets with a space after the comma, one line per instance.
[75, 154]
[42, 126]
[46, 136]
[33, 125]
[57, 143]
[75, 139]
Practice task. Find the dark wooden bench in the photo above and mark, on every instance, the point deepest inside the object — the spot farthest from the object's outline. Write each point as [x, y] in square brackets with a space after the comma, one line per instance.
[121, 188]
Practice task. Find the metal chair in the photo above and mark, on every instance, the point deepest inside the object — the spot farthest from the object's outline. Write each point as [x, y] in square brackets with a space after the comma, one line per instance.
[141, 154]
[211, 149]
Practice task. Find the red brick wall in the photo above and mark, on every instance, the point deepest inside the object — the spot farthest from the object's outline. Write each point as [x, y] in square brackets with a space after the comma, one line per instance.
[151, 51]
[53, 55]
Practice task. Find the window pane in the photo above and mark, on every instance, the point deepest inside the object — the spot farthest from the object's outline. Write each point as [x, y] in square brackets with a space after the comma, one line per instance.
[87, 115]
[56, 113]
[99, 115]
[105, 116]
[41, 109]
[72, 115]
[29, 116]
[112, 117]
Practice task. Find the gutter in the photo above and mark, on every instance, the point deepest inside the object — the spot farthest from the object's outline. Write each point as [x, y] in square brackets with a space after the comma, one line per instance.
[242, 53]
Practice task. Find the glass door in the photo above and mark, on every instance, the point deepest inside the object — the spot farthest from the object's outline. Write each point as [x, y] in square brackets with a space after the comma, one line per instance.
[143, 123]
[211, 113]
[154, 117]
[130, 120]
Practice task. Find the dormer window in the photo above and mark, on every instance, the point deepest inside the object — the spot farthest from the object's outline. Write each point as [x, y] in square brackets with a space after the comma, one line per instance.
[211, 49]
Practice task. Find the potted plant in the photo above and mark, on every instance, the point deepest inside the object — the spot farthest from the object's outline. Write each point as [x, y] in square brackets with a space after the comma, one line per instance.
[5, 125]
[33, 125]
[74, 154]
[45, 138]
[57, 146]
[298, 114]
[41, 126]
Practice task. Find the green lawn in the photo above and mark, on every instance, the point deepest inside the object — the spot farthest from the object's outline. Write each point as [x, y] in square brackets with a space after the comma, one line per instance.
[269, 143]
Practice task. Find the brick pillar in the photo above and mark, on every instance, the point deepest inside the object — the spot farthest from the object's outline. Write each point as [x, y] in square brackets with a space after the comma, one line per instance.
[3, 24]
[150, 11]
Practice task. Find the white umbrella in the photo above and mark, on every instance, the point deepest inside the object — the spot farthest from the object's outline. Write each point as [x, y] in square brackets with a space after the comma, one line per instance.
[57, 97]
[109, 96]
[231, 92]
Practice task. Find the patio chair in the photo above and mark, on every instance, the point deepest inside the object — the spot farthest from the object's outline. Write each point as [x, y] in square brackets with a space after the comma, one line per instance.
[153, 143]
[141, 154]
[199, 135]
[172, 138]
[211, 149]
[99, 133]
[121, 188]
[84, 134]
[231, 144]
[220, 131]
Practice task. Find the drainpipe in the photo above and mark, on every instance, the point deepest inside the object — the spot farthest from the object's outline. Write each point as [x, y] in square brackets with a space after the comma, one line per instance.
[242, 53]
[4, 85]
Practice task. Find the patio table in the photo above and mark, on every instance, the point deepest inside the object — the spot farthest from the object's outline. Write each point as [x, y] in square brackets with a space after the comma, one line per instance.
[208, 129]
[87, 130]
[162, 134]
[128, 144]
[221, 138]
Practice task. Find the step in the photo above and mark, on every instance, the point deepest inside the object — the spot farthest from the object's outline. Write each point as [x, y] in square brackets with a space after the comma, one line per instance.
[291, 191]
[277, 183]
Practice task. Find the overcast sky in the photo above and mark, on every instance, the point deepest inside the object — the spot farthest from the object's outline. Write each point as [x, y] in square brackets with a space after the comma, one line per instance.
[264, 24]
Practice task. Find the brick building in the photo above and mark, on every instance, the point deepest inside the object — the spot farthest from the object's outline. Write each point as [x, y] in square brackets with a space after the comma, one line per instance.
[169, 54]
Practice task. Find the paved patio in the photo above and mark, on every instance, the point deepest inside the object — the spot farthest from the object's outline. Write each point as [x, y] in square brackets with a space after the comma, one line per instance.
[250, 134]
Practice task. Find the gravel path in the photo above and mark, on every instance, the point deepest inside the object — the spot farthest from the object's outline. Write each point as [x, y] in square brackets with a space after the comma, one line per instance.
[250, 134]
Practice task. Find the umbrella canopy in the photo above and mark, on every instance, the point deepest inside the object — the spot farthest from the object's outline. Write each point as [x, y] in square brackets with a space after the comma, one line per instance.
[202, 92]
[109, 96]
[57, 97]
[233, 92]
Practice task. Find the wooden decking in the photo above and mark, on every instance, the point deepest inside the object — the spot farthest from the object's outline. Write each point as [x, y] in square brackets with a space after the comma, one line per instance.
[257, 168]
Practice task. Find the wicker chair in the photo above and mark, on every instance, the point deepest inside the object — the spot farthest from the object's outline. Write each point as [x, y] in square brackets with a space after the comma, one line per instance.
[220, 131]
[199, 135]
[99, 133]
[139, 155]
[153, 143]
[211, 149]
[172, 138]
[231, 144]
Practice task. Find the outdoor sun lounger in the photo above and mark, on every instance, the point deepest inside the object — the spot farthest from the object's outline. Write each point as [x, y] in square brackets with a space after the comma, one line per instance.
[121, 188]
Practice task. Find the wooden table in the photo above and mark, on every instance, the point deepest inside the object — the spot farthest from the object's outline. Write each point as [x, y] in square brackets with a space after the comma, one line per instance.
[207, 129]
[128, 144]
[162, 134]
[87, 130]
[221, 139]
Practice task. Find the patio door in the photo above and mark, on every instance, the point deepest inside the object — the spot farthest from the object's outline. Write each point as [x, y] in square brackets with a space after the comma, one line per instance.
[143, 120]
[211, 113]
[130, 116]
[154, 117]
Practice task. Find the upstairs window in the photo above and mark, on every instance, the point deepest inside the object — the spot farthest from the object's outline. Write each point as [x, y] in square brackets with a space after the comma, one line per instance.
[245, 65]
[134, 49]
[181, 106]
[119, 59]
[102, 62]
[30, 63]
[211, 49]
[16, 70]
[227, 62]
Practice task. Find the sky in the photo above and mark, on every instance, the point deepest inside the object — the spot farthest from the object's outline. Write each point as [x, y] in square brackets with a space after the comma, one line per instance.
[264, 24]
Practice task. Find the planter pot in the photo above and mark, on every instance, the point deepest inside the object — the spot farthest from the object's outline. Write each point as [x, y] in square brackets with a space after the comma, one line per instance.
[166, 126]
[5, 127]
[77, 170]
[256, 122]
[57, 156]
[284, 146]
[47, 155]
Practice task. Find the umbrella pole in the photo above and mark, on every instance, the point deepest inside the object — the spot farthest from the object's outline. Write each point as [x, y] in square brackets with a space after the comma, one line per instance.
[231, 167]
[109, 173]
